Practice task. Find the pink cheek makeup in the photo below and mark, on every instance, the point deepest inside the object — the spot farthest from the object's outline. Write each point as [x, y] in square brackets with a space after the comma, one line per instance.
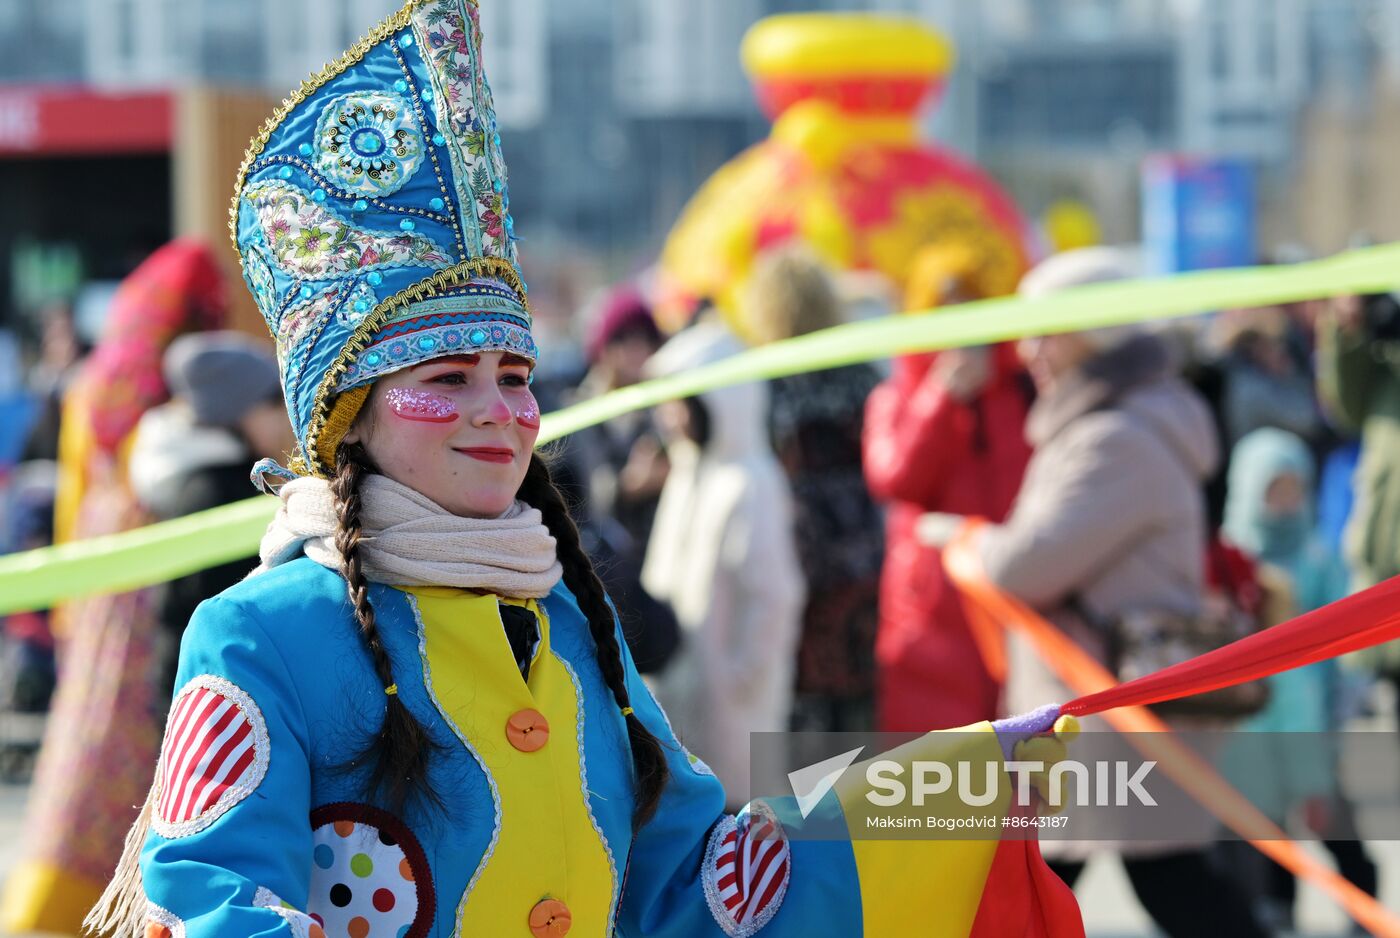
[529, 415]
[420, 406]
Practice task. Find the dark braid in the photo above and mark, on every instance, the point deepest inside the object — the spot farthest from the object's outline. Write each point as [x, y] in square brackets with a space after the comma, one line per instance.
[400, 752]
[648, 760]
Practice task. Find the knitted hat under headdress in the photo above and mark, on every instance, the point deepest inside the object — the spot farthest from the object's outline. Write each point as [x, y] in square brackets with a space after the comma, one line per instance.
[372, 219]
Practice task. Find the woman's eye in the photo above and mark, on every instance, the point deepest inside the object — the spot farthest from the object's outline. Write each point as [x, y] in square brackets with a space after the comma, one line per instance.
[452, 378]
[515, 381]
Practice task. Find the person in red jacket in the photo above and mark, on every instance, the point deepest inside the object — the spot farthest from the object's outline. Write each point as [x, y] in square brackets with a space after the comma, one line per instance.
[945, 434]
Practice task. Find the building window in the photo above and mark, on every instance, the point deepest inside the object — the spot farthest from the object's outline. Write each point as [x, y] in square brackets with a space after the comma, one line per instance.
[1025, 102]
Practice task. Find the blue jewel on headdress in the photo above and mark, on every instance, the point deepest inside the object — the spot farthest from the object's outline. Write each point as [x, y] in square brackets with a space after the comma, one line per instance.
[407, 41]
[477, 337]
[437, 204]
[305, 149]
[408, 224]
[427, 343]
[285, 172]
[373, 359]
[318, 195]
[375, 278]
[362, 306]
[360, 206]
[439, 140]
[401, 86]
[306, 291]
[427, 94]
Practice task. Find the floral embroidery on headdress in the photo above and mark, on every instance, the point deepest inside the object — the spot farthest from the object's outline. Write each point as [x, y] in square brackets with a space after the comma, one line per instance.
[370, 143]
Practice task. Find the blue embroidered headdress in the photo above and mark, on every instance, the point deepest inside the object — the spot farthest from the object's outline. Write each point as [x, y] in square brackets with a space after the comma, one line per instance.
[372, 219]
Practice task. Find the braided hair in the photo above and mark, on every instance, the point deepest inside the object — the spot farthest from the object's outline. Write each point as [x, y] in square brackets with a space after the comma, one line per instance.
[399, 754]
[648, 760]
[401, 751]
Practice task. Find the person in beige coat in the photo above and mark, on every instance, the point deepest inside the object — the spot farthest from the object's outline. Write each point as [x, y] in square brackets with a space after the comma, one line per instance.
[1111, 519]
[722, 554]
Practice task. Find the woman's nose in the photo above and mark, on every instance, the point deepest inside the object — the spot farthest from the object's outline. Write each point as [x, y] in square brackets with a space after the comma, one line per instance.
[493, 410]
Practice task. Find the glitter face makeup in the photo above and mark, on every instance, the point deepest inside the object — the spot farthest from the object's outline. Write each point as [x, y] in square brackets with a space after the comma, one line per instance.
[456, 429]
[421, 406]
[529, 415]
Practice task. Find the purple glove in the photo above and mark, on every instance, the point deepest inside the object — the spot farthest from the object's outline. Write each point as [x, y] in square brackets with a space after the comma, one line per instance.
[1022, 727]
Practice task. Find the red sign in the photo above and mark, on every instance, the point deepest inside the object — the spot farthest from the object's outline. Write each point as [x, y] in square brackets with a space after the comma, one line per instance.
[64, 121]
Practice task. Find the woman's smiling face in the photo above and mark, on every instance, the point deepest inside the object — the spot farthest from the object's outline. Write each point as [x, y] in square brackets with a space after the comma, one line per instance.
[459, 430]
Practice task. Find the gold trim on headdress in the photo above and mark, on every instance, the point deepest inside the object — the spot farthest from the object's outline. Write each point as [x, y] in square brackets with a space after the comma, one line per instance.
[455, 276]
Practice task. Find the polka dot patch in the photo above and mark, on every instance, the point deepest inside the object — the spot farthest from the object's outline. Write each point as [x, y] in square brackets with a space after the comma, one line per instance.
[367, 876]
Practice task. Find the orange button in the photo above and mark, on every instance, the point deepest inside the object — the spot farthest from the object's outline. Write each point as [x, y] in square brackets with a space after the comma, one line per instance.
[527, 730]
[550, 918]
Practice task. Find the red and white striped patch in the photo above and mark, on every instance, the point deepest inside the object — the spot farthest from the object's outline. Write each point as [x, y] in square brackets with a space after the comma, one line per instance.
[747, 865]
[214, 755]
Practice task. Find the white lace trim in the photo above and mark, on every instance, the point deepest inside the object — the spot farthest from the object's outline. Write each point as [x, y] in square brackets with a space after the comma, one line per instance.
[693, 762]
[170, 920]
[583, 780]
[300, 922]
[490, 779]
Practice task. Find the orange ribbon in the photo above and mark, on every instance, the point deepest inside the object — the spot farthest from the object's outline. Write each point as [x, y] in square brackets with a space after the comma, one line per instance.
[991, 612]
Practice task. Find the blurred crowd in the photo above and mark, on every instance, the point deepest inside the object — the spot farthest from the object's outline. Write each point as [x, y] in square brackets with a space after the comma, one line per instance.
[775, 548]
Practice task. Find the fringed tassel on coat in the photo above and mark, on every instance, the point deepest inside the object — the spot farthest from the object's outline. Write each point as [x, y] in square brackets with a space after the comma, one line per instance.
[121, 912]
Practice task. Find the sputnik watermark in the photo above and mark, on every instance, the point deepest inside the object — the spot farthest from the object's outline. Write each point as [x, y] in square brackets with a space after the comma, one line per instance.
[811, 784]
[1110, 787]
[1112, 783]
[892, 784]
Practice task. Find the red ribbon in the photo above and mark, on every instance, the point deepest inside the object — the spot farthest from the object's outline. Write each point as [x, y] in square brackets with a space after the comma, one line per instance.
[1368, 618]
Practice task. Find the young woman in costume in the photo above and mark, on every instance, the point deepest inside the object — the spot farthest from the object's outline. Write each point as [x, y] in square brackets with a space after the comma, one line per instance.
[418, 716]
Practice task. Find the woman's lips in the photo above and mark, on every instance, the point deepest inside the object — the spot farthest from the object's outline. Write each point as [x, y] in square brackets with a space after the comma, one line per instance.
[489, 454]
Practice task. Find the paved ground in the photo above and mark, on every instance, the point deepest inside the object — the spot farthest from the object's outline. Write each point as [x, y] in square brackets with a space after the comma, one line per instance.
[11, 815]
[1111, 911]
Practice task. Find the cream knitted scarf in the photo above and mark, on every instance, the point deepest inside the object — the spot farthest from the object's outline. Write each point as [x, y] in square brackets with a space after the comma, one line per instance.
[409, 540]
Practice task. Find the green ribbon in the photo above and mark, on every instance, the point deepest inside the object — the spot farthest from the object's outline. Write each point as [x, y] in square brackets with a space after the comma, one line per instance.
[41, 578]
[115, 563]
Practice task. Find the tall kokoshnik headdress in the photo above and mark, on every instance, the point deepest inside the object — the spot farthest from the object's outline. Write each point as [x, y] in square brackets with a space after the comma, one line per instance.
[373, 220]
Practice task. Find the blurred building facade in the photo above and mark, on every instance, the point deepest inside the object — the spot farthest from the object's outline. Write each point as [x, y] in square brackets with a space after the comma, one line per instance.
[618, 109]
